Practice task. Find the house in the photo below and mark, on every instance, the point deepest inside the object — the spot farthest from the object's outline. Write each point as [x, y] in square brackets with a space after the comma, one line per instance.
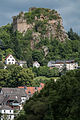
[31, 90]
[69, 64]
[7, 113]
[36, 64]
[78, 67]
[51, 64]
[22, 63]
[10, 60]
[13, 97]
[1, 99]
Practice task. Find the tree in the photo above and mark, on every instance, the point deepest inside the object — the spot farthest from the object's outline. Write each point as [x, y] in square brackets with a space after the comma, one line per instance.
[1, 65]
[15, 76]
[46, 71]
[72, 35]
[58, 100]
[25, 77]
[9, 51]
[4, 77]
[37, 55]
[0, 57]
[21, 76]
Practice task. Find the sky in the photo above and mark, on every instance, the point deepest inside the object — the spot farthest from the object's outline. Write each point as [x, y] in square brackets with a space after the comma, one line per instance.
[68, 9]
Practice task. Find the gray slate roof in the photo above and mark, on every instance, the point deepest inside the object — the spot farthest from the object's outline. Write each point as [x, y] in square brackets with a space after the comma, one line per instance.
[51, 63]
[14, 91]
[1, 98]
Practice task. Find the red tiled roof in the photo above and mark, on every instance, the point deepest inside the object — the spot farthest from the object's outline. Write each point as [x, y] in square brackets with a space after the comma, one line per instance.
[7, 56]
[32, 90]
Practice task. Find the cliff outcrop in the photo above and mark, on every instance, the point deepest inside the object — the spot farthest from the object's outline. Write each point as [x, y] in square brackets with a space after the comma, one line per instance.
[44, 23]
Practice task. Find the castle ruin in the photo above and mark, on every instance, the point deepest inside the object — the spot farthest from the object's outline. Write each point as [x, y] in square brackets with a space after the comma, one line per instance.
[20, 24]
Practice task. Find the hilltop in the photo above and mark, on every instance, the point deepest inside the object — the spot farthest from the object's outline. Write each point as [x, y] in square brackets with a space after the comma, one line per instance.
[38, 35]
[44, 23]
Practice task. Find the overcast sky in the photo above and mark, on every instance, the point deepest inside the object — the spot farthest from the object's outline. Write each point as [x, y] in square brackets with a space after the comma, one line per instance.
[69, 10]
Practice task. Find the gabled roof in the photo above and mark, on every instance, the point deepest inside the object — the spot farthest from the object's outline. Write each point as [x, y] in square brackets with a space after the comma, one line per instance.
[22, 62]
[12, 97]
[32, 90]
[36, 62]
[14, 91]
[1, 98]
[7, 56]
[51, 63]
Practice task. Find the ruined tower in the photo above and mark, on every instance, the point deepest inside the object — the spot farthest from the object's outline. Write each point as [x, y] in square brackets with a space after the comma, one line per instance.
[19, 23]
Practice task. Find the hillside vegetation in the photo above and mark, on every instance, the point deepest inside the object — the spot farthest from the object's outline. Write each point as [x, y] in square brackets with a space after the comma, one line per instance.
[47, 48]
[57, 101]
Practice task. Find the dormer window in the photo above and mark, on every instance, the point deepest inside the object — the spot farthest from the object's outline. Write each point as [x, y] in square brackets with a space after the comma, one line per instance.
[35, 88]
[29, 92]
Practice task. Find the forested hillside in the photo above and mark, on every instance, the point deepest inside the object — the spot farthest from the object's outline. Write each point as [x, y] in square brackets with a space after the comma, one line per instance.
[47, 48]
[58, 100]
[43, 39]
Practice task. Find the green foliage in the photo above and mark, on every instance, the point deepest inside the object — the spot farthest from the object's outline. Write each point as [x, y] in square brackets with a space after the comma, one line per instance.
[19, 45]
[72, 35]
[0, 57]
[58, 100]
[46, 71]
[30, 16]
[15, 76]
[37, 55]
[40, 26]
[4, 77]
[42, 79]
[1, 65]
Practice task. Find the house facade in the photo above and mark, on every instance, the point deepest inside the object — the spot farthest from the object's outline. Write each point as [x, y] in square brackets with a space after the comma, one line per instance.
[22, 63]
[69, 64]
[10, 60]
[11, 99]
[36, 64]
[7, 113]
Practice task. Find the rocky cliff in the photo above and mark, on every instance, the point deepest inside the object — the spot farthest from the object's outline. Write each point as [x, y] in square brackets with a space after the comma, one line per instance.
[44, 23]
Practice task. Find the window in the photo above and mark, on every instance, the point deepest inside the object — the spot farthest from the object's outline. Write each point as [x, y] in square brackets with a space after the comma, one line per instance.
[10, 110]
[35, 88]
[9, 62]
[8, 59]
[29, 92]
[12, 59]
[4, 111]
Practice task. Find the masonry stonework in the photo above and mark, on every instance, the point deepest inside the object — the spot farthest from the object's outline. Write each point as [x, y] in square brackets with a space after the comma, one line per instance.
[20, 24]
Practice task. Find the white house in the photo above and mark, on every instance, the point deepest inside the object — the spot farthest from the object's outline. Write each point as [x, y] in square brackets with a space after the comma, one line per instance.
[22, 63]
[7, 113]
[36, 64]
[70, 64]
[10, 60]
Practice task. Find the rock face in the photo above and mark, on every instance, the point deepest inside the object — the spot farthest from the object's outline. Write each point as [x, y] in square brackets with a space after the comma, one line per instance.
[20, 24]
[43, 23]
